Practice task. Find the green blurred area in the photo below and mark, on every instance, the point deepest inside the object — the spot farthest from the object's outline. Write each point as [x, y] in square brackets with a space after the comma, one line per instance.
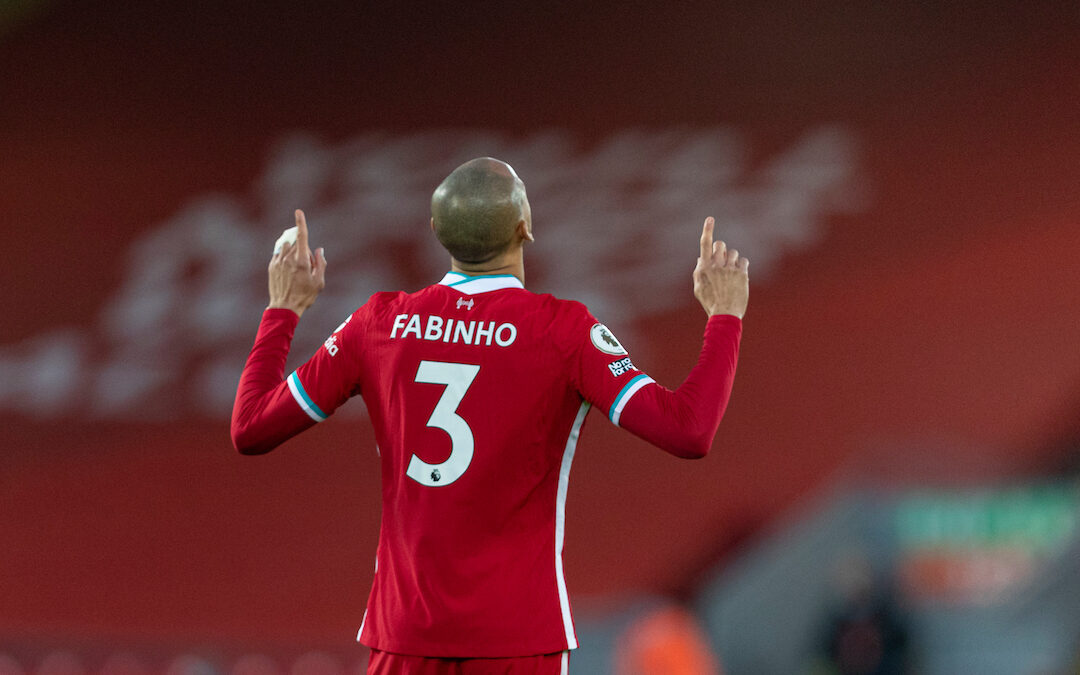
[17, 13]
[1034, 518]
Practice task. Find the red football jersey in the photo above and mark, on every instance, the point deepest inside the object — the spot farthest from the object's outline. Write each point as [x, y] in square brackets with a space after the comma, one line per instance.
[477, 390]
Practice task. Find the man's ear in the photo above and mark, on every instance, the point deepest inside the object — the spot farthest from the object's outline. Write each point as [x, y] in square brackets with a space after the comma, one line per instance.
[525, 230]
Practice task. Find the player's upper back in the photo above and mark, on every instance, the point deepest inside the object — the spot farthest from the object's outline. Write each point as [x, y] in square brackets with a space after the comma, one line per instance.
[470, 367]
[478, 359]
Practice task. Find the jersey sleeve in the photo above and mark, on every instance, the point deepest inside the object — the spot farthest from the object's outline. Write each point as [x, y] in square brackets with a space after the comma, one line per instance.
[602, 372]
[332, 375]
[269, 410]
[264, 415]
[684, 422]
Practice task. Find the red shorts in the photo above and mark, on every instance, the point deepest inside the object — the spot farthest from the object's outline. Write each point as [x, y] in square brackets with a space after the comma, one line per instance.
[385, 663]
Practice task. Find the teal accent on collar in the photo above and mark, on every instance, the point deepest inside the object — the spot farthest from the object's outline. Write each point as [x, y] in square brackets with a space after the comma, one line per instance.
[472, 277]
[480, 283]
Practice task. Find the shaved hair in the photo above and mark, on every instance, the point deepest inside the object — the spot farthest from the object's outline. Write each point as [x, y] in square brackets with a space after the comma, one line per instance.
[477, 208]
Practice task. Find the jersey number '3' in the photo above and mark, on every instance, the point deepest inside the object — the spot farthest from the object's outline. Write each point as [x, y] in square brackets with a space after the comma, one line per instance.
[457, 377]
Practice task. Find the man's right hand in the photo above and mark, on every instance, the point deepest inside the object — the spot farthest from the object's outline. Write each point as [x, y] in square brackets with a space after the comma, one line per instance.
[297, 275]
[721, 282]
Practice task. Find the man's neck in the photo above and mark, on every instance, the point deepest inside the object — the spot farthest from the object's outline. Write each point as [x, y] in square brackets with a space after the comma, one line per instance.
[508, 263]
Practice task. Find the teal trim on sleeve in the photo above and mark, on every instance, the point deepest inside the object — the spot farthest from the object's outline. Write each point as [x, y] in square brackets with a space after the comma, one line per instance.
[622, 393]
[305, 399]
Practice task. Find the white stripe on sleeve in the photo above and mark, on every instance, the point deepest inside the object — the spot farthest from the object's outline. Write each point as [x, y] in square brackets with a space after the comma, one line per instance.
[632, 387]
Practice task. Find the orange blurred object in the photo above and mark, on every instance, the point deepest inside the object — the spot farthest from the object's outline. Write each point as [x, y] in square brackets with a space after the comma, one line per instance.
[666, 641]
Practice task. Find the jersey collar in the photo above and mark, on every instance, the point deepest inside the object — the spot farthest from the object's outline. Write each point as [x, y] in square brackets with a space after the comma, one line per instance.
[470, 285]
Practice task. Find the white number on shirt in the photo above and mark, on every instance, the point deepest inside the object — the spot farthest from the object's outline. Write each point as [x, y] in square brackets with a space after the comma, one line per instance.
[457, 377]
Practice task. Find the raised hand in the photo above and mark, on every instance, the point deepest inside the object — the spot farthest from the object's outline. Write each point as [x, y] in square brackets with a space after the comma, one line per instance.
[721, 281]
[296, 274]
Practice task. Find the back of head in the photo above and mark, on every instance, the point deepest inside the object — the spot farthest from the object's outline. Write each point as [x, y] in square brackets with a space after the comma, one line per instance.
[477, 208]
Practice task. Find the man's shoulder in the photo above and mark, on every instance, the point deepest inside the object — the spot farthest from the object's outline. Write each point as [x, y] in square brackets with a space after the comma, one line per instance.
[379, 303]
[568, 309]
[380, 300]
[565, 322]
[550, 306]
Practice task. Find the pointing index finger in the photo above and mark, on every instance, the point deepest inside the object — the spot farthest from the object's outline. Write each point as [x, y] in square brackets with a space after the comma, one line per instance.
[301, 235]
[706, 238]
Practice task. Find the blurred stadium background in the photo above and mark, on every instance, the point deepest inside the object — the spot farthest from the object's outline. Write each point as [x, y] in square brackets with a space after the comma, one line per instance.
[895, 485]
